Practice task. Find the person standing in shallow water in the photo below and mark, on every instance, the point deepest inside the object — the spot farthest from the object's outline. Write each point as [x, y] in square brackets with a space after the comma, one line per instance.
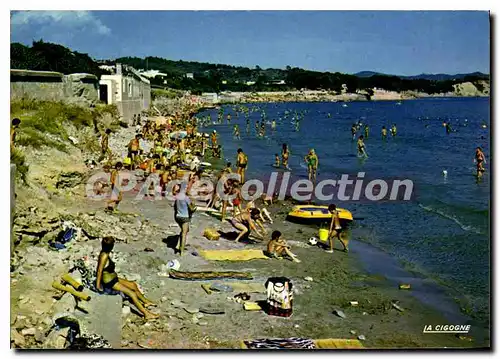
[312, 165]
[479, 160]
[384, 133]
[241, 164]
[394, 130]
[353, 131]
[285, 154]
[236, 132]
[361, 147]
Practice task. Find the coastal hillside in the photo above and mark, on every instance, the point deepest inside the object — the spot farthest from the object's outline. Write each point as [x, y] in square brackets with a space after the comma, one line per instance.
[199, 77]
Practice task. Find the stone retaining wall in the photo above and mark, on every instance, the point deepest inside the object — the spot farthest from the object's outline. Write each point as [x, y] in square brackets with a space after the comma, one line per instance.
[53, 86]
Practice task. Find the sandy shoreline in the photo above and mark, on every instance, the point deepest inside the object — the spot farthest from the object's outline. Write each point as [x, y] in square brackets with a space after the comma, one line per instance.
[462, 90]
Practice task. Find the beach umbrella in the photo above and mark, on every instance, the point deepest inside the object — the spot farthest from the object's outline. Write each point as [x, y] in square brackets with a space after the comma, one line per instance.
[178, 134]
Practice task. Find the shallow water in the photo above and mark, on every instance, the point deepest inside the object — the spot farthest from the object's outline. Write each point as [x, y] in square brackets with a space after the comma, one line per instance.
[443, 232]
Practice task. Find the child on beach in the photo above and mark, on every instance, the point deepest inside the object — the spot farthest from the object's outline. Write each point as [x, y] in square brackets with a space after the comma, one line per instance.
[278, 248]
[116, 194]
[335, 229]
[13, 131]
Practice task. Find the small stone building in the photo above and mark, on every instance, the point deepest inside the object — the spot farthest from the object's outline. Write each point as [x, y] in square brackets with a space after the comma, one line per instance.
[127, 89]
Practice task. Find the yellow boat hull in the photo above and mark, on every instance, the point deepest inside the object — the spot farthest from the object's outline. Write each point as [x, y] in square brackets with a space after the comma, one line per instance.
[317, 214]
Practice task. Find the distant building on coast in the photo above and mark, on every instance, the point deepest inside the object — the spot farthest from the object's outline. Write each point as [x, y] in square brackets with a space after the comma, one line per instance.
[210, 97]
[127, 89]
[190, 75]
[277, 82]
[151, 74]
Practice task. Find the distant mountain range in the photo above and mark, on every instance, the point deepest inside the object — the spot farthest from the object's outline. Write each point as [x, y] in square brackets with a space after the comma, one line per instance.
[432, 77]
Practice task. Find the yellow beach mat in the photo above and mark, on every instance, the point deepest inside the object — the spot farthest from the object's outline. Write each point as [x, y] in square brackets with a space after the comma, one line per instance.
[233, 254]
[337, 344]
[251, 306]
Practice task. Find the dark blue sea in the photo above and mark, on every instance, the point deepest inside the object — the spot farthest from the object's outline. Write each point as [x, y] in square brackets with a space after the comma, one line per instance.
[443, 233]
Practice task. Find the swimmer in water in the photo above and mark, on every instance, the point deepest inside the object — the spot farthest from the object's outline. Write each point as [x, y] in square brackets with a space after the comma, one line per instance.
[353, 131]
[479, 160]
[361, 147]
[236, 132]
[312, 165]
[384, 133]
[262, 129]
[276, 160]
[285, 154]
[367, 131]
[393, 130]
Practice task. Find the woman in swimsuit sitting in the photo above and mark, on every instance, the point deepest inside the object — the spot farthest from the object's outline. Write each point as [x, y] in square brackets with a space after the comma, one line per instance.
[107, 278]
[245, 222]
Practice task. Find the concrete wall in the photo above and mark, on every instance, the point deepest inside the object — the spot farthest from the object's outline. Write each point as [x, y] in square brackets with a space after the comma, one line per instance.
[82, 87]
[53, 86]
[43, 85]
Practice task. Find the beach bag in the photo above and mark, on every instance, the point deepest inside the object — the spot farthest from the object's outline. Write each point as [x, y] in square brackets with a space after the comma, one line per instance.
[211, 234]
[279, 297]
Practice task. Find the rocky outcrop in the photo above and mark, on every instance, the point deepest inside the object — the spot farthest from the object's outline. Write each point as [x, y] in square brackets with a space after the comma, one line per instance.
[469, 89]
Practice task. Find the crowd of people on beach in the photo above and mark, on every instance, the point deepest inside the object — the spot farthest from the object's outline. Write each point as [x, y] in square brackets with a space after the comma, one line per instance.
[177, 151]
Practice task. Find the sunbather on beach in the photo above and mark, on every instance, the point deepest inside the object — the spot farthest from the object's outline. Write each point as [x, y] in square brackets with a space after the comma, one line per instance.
[108, 278]
[278, 248]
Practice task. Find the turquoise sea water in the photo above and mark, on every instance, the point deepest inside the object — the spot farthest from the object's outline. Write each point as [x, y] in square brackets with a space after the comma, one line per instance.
[443, 232]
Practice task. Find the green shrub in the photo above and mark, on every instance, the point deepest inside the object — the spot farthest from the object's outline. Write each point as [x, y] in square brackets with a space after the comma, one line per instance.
[31, 137]
[102, 110]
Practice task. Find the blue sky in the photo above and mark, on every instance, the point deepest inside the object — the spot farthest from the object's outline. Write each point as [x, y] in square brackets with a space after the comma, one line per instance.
[394, 42]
